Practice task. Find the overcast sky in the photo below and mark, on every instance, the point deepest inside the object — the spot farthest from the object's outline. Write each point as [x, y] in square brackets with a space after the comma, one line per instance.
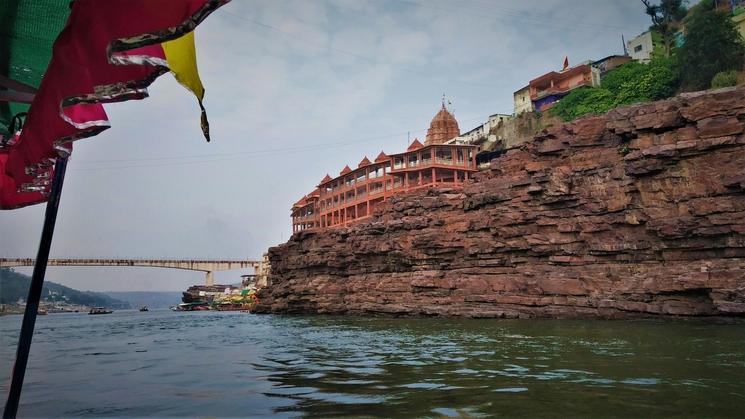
[295, 89]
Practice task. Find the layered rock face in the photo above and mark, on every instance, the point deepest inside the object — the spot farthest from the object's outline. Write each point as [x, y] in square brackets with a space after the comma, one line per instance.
[639, 212]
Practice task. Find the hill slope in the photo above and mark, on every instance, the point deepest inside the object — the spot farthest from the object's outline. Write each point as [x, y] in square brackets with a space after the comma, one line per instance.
[14, 285]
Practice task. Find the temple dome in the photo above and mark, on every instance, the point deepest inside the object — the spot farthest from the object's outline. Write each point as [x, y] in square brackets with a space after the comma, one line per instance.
[443, 127]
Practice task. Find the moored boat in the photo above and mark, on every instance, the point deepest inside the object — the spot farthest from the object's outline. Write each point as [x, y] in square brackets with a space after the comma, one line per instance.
[100, 310]
[144, 308]
[193, 306]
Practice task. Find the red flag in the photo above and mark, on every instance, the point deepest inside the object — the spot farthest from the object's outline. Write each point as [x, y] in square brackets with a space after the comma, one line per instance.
[109, 51]
[566, 63]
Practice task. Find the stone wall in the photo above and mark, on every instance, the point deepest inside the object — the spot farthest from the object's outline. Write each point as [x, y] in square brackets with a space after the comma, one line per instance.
[520, 129]
[639, 212]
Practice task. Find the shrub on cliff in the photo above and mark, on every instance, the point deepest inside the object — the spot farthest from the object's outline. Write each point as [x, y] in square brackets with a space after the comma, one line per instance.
[585, 101]
[630, 83]
[724, 79]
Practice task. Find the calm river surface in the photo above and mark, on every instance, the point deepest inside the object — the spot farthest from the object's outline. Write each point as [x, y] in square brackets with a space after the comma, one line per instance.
[235, 364]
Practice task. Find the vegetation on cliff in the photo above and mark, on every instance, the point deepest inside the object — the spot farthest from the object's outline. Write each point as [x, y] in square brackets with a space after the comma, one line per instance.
[630, 83]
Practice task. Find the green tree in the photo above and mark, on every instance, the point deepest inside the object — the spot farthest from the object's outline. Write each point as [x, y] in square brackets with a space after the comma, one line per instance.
[666, 18]
[712, 45]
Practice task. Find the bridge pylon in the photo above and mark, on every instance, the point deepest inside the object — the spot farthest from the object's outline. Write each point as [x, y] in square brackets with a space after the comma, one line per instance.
[210, 278]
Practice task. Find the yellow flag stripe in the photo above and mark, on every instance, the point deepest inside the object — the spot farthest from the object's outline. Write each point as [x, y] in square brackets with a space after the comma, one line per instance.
[182, 60]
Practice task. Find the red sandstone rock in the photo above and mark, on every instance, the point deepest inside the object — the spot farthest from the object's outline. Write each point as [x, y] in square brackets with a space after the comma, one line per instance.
[639, 212]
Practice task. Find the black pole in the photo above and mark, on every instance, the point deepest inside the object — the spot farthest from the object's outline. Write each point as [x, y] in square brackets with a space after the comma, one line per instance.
[34, 292]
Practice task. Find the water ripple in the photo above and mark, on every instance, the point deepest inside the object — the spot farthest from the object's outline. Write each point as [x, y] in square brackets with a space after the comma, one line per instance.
[236, 364]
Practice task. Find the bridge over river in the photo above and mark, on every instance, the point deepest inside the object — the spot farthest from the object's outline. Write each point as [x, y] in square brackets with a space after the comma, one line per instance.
[207, 266]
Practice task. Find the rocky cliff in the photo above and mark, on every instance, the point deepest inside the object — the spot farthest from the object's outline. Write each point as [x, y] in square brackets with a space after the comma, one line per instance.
[639, 212]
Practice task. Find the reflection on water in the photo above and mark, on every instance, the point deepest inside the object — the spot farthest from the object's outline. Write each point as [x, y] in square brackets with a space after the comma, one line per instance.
[236, 364]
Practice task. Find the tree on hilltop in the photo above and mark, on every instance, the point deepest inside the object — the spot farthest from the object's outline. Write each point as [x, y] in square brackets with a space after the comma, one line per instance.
[712, 45]
[666, 18]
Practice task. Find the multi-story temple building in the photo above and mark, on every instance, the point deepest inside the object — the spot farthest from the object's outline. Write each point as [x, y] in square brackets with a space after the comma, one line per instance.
[355, 193]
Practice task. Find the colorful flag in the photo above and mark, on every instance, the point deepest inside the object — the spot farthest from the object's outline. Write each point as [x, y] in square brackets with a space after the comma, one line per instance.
[109, 51]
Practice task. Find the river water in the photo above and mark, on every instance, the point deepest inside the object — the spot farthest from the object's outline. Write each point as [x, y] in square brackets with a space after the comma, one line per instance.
[162, 363]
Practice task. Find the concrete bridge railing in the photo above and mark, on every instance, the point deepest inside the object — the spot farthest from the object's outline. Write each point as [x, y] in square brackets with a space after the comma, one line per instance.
[207, 266]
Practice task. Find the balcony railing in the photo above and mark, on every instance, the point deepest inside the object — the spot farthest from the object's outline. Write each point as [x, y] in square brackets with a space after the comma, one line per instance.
[441, 161]
[304, 218]
[539, 94]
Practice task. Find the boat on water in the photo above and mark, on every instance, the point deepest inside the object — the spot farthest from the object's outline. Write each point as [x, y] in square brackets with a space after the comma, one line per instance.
[144, 308]
[100, 310]
[193, 306]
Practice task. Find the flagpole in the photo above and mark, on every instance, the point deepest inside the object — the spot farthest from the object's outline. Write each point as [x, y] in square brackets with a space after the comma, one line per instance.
[34, 292]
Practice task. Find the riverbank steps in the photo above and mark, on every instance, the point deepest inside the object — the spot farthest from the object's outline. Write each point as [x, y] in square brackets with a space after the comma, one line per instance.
[636, 213]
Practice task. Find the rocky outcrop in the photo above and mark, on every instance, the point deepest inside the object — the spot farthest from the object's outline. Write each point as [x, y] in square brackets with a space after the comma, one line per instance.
[639, 212]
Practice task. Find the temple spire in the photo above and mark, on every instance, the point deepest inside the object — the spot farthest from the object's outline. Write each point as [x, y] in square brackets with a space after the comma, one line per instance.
[443, 127]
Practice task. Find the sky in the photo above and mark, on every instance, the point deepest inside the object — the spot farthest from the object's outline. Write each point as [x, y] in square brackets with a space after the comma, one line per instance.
[295, 89]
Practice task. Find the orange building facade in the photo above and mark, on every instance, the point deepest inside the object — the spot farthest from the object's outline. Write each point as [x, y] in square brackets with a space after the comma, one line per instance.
[551, 87]
[354, 194]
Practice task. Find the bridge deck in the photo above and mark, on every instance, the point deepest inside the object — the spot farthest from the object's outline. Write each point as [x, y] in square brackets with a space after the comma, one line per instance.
[205, 265]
